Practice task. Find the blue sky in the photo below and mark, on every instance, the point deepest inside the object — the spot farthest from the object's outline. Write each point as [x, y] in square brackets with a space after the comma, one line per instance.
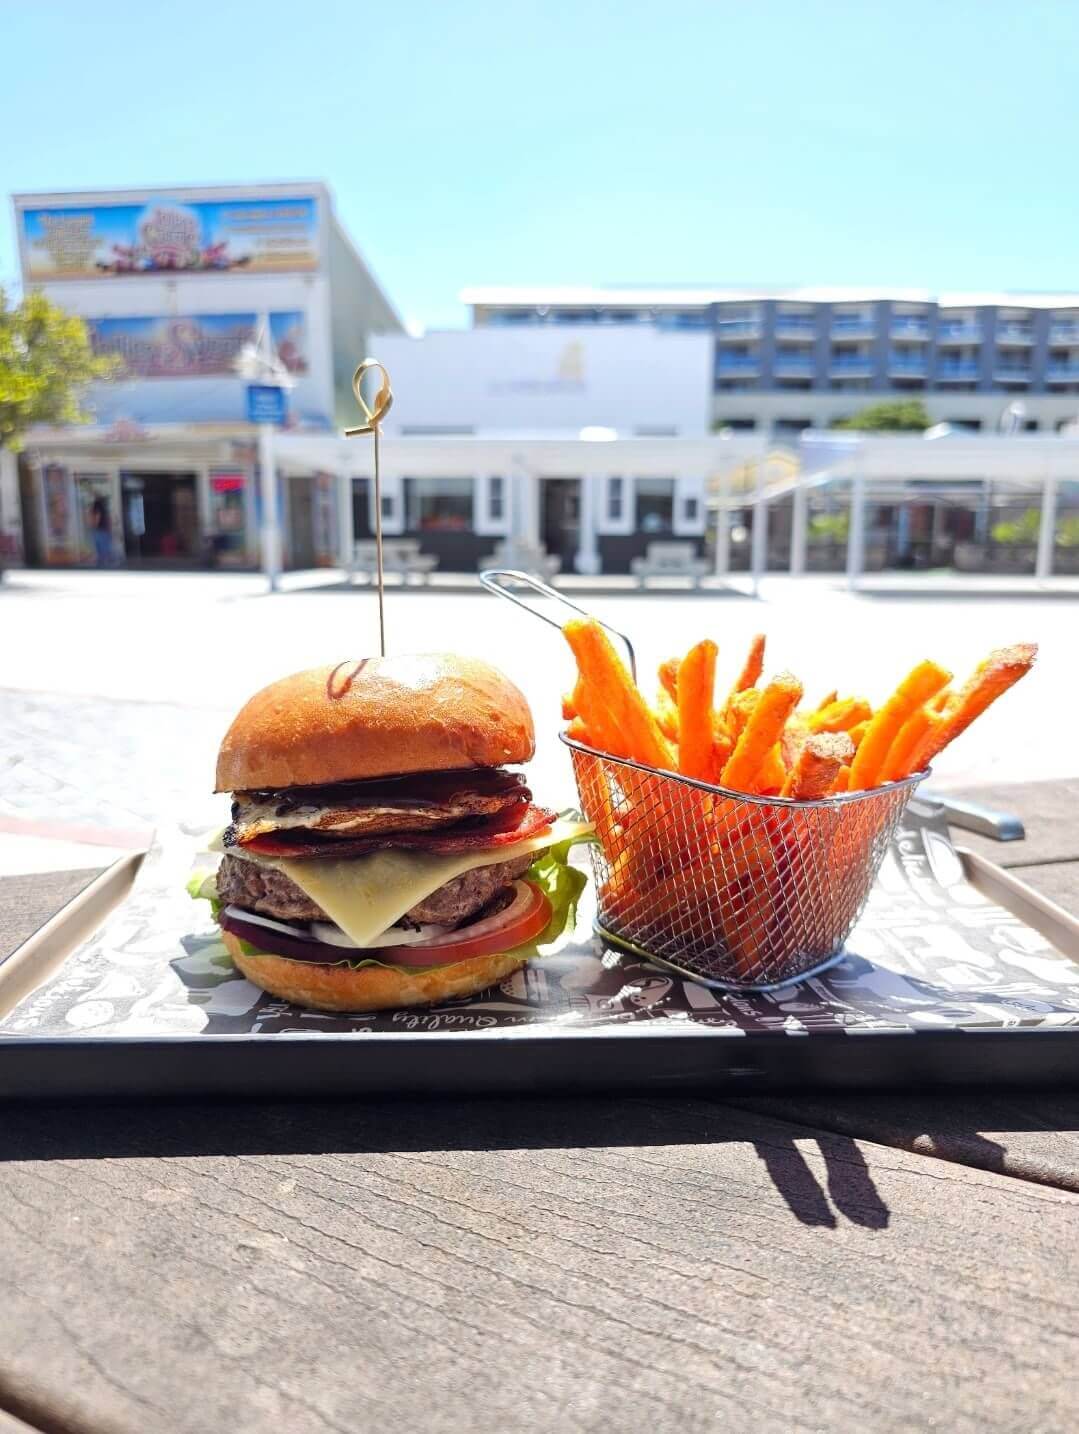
[586, 141]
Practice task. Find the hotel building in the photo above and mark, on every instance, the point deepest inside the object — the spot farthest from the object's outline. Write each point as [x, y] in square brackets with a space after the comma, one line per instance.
[789, 359]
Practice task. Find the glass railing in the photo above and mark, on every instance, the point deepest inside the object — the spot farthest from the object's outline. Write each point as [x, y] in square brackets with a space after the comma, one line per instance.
[850, 365]
[911, 367]
[1064, 333]
[1063, 373]
[947, 371]
[1015, 334]
[1012, 372]
[737, 363]
[738, 328]
[910, 329]
[791, 326]
[853, 328]
[959, 334]
[793, 365]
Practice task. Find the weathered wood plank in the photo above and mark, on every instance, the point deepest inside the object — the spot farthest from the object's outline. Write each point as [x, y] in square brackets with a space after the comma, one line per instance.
[605, 1265]
[1049, 813]
[10, 1425]
[1028, 1135]
[27, 902]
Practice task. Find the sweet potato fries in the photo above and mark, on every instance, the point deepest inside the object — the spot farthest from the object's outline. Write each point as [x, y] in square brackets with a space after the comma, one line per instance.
[756, 740]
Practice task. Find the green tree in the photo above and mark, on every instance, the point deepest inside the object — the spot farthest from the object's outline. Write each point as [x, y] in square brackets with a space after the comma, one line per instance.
[829, 527]
[900, 416]
[46, 361]
[1017, 530]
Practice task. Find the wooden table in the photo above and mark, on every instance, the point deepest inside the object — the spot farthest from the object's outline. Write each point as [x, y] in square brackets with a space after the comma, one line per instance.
[816, 1263]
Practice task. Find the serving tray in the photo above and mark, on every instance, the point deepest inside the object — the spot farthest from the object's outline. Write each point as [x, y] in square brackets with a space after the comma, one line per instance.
[956, 973]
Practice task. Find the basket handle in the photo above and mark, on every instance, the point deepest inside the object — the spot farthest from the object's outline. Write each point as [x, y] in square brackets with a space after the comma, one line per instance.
[491, 579]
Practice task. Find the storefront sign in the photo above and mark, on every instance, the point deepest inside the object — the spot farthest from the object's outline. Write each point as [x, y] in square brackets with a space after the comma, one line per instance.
[249, 236]
[195, 345]
[265, 403]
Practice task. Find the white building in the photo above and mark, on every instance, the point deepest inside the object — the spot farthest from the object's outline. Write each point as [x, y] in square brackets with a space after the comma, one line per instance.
[644, 383]
[174, 283]
[791, 358]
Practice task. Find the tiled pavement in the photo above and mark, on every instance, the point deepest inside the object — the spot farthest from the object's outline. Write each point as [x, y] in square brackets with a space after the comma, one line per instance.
[115, 689]
[93, 770]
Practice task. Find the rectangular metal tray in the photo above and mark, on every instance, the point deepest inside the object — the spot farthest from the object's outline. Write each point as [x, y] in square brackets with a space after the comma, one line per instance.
[957, 973]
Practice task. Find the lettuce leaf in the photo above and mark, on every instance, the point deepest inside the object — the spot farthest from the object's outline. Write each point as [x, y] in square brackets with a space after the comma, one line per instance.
[551, 871]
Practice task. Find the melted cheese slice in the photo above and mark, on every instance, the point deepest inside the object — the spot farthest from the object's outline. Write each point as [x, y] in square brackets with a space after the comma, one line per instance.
[365, 895]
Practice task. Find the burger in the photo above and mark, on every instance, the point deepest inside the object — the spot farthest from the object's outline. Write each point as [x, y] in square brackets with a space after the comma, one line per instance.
[382, 850]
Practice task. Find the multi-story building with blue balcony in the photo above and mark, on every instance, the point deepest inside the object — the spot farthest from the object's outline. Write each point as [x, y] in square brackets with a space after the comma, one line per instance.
[789, 359]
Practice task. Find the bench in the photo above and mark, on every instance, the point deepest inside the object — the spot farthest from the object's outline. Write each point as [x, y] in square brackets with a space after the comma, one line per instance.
[669, 560]
[523, 557]
[399, 555]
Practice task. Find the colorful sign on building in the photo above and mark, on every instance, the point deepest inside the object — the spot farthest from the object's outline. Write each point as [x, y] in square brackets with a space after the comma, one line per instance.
[248, 236]
[195, 345]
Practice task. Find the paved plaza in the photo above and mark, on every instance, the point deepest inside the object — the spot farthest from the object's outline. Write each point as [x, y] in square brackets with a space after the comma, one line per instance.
[115, 688]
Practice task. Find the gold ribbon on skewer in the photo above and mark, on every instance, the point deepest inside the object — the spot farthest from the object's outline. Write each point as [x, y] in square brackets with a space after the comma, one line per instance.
[374, 415]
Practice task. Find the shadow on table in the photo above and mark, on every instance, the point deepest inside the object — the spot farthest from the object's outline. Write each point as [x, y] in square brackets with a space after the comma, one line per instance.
[971, 1129]
[56, 1132]
[850, 1184]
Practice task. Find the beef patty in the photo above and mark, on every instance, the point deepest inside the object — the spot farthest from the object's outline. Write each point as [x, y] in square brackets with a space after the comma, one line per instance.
[261, 888]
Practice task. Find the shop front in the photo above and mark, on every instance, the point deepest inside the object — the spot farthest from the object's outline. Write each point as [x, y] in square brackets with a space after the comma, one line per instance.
[98, 502]
[595, 506]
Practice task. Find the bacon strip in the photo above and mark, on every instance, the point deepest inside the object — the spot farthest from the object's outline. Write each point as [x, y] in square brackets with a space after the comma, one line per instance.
[528, 821]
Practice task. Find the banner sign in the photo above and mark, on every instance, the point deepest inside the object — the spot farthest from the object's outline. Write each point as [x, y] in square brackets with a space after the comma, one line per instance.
[195, 345]
[248, 236]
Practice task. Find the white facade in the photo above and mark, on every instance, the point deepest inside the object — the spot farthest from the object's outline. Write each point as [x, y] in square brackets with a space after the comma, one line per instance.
[173, 281]
[593, 504]
[174, 284]
[637, 382]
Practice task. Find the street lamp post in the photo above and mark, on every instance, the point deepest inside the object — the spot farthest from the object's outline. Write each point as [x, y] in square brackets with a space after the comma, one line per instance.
[265, 373]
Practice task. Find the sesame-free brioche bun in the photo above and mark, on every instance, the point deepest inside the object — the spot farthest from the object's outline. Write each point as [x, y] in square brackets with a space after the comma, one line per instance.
[371, 988]
[376, 717]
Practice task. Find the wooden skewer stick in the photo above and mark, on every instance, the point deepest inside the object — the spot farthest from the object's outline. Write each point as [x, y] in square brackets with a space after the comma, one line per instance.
[373, 420]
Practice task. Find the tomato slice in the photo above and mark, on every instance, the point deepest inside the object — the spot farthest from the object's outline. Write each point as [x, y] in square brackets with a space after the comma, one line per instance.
[523, 920]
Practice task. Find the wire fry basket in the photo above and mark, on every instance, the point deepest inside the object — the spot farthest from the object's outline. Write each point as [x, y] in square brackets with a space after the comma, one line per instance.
[733, 890]
[737, 891]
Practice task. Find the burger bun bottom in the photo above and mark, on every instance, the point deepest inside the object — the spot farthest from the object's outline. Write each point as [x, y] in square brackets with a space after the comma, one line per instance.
[371, 988]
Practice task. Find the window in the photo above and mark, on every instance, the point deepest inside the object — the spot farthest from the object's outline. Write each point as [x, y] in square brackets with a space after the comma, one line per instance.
[655, 505]
[496, 499]
[387, 507]
[692, 509]
[615, 499]
[438, 505]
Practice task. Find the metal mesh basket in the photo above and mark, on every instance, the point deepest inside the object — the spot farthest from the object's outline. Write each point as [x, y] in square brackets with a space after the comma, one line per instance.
[732, 890]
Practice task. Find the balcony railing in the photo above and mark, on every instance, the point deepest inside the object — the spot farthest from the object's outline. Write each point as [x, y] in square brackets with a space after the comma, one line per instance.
[793, 366]
[957, 372]
[1011, 372]
[737, 363]
[792, 326]
[850, 367]
[1015, 334]
[959, 333]
[853, 328]
[728, 329]
[904, 366]
[1063, 373]
[910, 329]
[1064, 332]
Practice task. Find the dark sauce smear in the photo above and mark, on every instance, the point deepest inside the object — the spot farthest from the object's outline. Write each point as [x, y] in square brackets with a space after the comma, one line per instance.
[416, 790]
